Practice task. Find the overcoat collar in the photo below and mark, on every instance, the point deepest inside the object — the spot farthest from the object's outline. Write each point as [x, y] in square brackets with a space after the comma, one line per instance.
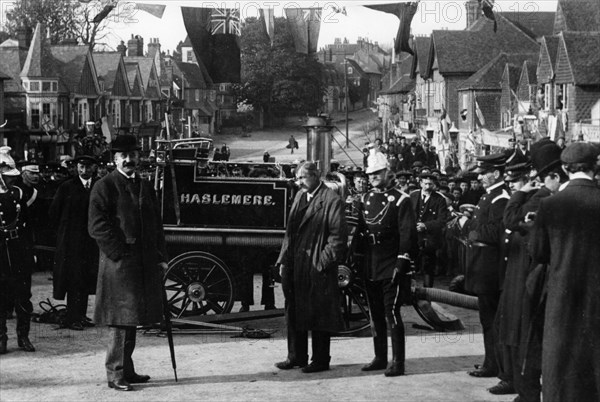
[315, 204]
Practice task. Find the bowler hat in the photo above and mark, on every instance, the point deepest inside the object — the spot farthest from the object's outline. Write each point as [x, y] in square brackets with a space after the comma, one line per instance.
[124, 143]
[579, 152]
[545, 156]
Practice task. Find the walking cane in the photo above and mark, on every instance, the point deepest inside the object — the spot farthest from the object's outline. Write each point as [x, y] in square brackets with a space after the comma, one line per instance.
[169, 330]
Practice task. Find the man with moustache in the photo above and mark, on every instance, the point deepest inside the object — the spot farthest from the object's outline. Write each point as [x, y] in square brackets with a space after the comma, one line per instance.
[484, 256]
[387, 220]
[314, 244]
[124, 220]
[76, 257]
[432, 214]
[566, 235]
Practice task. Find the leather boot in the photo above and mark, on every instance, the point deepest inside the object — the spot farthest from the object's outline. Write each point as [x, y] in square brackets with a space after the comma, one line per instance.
[398, 353]
[23, 324]
[3, 336]
[380, 361]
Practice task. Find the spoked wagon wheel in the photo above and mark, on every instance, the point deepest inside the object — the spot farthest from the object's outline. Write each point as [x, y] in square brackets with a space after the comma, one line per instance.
[198, 283]
[355, 310]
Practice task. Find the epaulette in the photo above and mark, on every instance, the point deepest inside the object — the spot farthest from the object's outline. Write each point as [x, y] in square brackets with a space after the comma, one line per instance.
[403, 197]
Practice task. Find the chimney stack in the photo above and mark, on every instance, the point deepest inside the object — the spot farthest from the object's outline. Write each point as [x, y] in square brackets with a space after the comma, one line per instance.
[132, 45]
[121, 48]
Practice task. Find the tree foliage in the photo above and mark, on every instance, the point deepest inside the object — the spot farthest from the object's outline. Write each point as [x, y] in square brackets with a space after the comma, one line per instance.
[64, 19]
[276, 78]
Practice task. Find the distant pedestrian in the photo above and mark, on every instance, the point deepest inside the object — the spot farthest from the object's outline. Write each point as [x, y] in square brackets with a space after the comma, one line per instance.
[266, 157]
[292, 144]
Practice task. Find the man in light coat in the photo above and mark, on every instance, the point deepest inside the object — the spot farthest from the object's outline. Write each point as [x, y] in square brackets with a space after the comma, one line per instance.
[124, 220]
[315, 243]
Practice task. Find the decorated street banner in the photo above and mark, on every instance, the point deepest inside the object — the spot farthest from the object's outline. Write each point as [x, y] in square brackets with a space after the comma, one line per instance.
[405, 12]
[214, 33]
[304, 23]
[268, 16]
[487, 9]
[156, 10]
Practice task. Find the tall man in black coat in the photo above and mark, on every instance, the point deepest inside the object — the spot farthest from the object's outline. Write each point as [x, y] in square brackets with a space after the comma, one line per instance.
[315, 243]
[76, 257]
[124, 220]
[387, 220]
[432, 214]
[566, 236]
[484, 254]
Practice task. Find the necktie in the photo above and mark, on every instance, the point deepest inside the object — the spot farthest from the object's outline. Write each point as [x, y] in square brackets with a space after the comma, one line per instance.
[87, 185]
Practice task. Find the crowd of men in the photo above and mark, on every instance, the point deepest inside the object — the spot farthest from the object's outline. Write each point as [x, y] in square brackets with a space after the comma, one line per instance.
[522, 227]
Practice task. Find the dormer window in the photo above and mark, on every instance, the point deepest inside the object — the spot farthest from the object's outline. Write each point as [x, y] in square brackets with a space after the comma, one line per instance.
[34, 86]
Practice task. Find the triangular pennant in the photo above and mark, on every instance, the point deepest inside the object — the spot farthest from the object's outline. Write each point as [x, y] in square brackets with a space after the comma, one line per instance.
[156, 10]
[405, 12]
[304, 23]
[487, 9]
[268, 16]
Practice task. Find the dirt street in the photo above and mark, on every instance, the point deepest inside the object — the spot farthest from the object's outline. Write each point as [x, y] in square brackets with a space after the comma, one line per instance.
[69, 365]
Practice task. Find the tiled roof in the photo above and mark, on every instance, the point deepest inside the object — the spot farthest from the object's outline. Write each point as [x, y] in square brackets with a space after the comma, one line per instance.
[187, 42]
[145, 65]
[582, 52]
[422, 44]
[535, 24]
[529, 67]
[577, 16]
[69, 62]
[37, 63]
[4, 76]
[514, 73]
[403, 85]
[107, 64]
[467, 51]
[11, 62]
[132, 73]
[10, 43]
[490, 75]
[192, 74]
[547, 59]
[367, 65]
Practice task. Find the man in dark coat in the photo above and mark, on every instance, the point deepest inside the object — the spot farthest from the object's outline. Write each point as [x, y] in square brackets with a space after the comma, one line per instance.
[76, 257]
[432, 214]
[124, 220]
[388, 223]
[566, 236]
[483, 267]
[16, 260]
[313, 246]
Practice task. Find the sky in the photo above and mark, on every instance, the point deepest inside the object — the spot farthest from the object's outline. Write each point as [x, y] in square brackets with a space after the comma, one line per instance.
[358, 22]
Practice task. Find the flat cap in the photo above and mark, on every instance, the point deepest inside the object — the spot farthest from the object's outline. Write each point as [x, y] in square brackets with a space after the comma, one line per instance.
[579, 152]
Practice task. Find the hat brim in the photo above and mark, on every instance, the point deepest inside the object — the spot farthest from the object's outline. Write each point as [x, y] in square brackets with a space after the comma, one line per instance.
[11, 172]
[543, 171]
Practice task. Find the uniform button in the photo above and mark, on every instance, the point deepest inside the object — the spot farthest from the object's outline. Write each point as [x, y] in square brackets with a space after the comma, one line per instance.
[382, 203]
[506, 241]
[368, 202]
[366, 212]
[505, 258]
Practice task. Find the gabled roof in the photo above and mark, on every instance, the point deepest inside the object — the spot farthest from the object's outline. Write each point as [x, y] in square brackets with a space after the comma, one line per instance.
[367, 65]
[187, 42]
[512, 73]
[134, 77]
[10, 43]
[547, 59]
[535, 24]
[577, 16]
[404, 85]
[489, 77]
[463, 52]
[69, 61]
[192, 74]
[11, 63]
[107, 64]
[529, 68]
[579, 54]
[146, 65]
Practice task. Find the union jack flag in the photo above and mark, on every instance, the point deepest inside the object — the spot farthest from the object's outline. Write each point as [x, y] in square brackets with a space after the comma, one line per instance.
[225, 21]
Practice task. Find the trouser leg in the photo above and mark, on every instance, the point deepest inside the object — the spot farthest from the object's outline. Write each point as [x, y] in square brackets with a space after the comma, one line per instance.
[116, 353]
[297, 341]
[268, 290]
[76, 305]
[488, 306]
[321, 345]
[128, 367]
[23, 306]
[378, 323]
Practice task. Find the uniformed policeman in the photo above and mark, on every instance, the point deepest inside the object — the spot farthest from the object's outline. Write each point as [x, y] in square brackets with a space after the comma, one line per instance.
[484, 259]
[15, 262]
[387, 220]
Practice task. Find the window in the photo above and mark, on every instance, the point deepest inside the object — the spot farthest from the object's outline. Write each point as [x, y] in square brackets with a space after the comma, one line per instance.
[46, 86]
[548, 97]
[350, 70]
[564, 99]
[34, 86]
[55, 87]
[189, 57]
[197, 95]
[35, 115]
[464, 101]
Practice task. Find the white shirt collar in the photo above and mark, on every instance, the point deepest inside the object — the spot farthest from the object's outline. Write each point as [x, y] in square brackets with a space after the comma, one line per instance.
[126, 176]
[84, 182]
[309, 196]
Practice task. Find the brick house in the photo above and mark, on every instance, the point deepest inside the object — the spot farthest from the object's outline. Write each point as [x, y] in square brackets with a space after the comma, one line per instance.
[395, 103]
[115, 90]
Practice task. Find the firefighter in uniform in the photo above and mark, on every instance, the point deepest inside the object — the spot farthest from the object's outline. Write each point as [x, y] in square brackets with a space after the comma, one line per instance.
[15, 262]
[484, 254]
[387, 223]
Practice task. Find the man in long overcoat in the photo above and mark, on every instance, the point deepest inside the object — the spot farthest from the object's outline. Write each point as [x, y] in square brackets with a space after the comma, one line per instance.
[124, 220]
[76, 257]
[432, 214]
[566, 236]
[315, 243]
